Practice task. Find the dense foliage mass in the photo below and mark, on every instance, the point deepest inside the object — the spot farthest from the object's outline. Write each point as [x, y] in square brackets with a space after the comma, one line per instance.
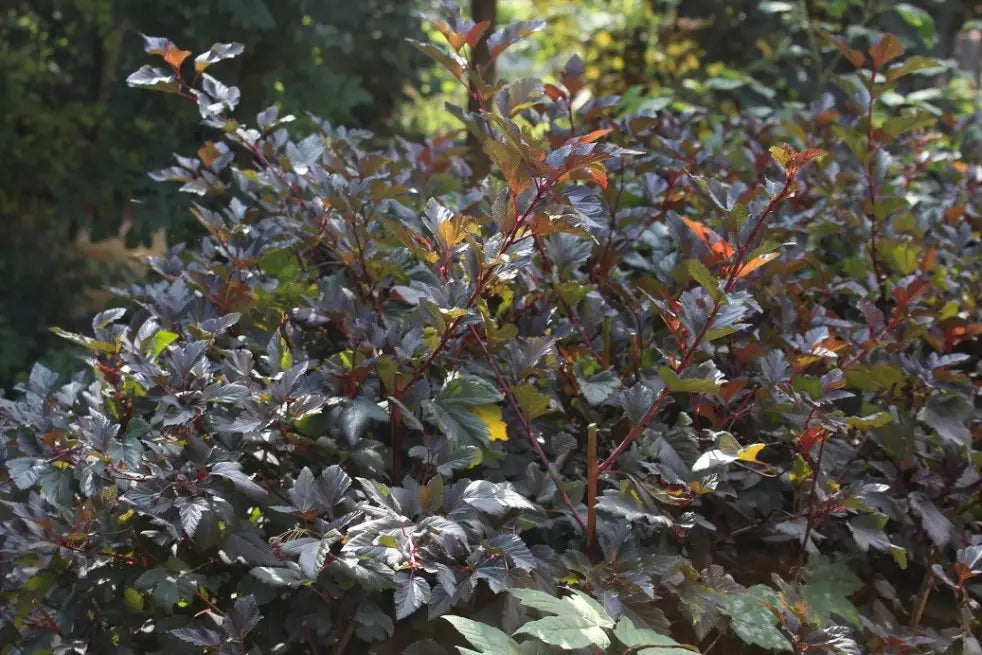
[77, 143]
[661, 381]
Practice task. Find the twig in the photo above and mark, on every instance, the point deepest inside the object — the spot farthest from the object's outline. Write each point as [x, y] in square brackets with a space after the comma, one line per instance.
[741, 255]
[527, 429]
[479, 286]
[922, 595]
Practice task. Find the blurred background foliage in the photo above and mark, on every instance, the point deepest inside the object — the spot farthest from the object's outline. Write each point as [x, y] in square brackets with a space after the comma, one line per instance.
[76, 203]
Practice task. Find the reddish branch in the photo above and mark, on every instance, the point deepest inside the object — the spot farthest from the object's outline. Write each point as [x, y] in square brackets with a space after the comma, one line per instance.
[451, 330]
[478, 288]
[816, 474]
[741, 255]
[527, 429]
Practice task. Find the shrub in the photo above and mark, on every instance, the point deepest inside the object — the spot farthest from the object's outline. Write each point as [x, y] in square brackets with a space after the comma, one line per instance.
[718, 386]
[77, 143]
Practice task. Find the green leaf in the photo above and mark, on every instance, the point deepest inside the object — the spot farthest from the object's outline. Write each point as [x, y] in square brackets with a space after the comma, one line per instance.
[676, 384]
[128, 450]
[633, 637]
[532, 401]
[774, 7]
[828, 588]
[133, 599]
[161, 340]
[877, 420]
[487, 639]
[280, 576]
[920, 19]
[494, 499]
[566, 631]
[698, 271]
[589, 608]
[451, 409]
[281, 263]
[913, 65]
[468, 391]
[598, 387]
[752, 621]
[580, 620]
[724, 83]
[540, 600]
[905, 257]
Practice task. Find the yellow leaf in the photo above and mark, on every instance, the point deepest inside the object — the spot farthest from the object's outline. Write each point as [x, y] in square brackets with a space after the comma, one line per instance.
[133, 599]
[756, 263]
[782, 154]
[208, 153]
[491, 416]
[699, 488]
[451, 233]
[749, 453]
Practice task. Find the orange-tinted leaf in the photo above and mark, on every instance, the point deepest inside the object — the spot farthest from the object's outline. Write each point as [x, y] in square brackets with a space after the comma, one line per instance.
[714, 242]
[732, 388]
[208, 153]
[453, 37]
[807, 156]
[175, 56]
[554, 92]
[449, 60]
[793, 161]
[599, 173]
[886, 48]
[903, 295]
[511, 163]
[594, 135]
[810, 437]
[475, 33]
[756, 263]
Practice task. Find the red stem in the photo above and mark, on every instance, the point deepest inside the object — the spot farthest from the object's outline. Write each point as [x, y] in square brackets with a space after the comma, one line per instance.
[742, 252]
[527, 429]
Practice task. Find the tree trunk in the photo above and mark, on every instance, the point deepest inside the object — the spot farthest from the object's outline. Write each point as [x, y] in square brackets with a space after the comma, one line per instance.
[481, 59]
